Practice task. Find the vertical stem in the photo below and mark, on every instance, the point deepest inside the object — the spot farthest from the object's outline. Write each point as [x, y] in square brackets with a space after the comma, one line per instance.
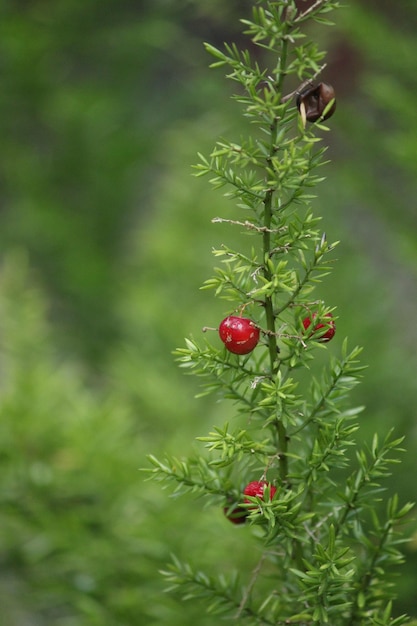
[269, 309]
[268, 303]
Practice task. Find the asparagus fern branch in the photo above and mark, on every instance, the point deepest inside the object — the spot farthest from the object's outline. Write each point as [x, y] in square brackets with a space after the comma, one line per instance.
[327, 547]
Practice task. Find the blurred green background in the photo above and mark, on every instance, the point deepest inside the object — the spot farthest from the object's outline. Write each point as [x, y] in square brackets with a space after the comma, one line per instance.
[105, 240]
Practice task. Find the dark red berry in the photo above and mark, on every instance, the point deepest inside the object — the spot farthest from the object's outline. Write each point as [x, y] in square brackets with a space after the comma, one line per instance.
[239, 334]
[257, 489]
[329, 326]
[235, 514]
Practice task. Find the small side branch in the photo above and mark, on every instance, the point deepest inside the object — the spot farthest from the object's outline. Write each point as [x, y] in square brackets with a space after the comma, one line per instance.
[304, 84]
[248, 590]
[307, 12]
[249, 225]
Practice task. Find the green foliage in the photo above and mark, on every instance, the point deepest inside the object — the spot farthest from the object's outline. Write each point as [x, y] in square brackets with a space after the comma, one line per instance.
[63, 459]
[78, 543]
[78, 150]
[102, 110]
[327, 548]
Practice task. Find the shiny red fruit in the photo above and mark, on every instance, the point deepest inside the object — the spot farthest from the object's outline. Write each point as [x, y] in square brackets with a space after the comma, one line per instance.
[329, 326]
[257, 489]
[239, 334]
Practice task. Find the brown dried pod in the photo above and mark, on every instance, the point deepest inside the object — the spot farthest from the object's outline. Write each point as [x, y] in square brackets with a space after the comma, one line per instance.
[313, 100]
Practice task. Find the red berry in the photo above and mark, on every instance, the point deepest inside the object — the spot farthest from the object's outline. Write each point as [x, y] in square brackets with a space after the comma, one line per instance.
[235, 514]
[257, 489]
[239, 334]
[329, 326]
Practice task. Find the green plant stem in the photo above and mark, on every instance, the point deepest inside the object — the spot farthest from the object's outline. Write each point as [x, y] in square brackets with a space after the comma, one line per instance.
[272, 340]
[270, 315]
[269, 308]
[266, 237]
[370, 573]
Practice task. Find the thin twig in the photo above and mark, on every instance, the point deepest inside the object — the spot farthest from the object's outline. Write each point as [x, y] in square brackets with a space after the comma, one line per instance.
[307, 12]
[303, 85]
[250, 586]
[247, 224]
[271, 460]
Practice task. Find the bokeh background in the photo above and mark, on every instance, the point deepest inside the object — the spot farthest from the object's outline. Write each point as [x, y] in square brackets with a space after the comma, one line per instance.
[105, 239]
